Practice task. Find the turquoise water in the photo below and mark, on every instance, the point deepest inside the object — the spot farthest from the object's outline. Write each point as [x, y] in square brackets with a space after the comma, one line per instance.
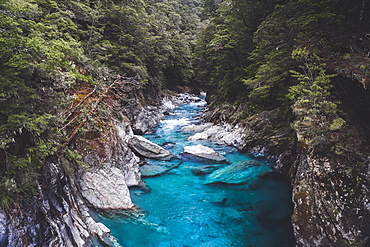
[178, 209]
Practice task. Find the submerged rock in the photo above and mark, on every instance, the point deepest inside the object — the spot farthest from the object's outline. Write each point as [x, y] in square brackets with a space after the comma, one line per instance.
[217, 242]
[152, 170]
[204, 152]
[168, 145]
[204, 170]
[106, 189]
[148, 149]
[238, 173]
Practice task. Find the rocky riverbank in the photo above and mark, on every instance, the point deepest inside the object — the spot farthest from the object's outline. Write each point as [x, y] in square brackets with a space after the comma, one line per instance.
[60, 213]
[329, 176]
[329, 189]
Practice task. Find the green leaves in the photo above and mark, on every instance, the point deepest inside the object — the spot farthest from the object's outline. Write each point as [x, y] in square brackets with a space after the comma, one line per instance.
[316, 110]
[314, 83]
[37, 124]
[34, 49]
[48, 47]
[227, 43]
[21, 7]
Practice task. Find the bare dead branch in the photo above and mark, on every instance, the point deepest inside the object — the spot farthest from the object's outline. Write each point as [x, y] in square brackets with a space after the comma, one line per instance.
[74, 132]
[82, 101]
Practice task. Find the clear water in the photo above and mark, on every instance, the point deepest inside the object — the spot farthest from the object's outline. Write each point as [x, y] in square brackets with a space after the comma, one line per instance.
[180, 210]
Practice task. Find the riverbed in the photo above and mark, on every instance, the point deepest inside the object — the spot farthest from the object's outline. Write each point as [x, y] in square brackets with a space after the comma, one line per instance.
[179, 207]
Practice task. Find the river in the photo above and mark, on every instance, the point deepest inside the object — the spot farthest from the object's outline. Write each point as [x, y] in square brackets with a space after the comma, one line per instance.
[179, 209]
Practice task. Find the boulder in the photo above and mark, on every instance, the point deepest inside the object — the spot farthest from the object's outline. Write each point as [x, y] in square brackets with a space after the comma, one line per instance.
[105, 188]
[187, 98]
[207, 132]
[231, 137]
[199, 136]
[148, 149]
[145, 121]
[238, 173]
[156, 169]
[204, 170]
[196, 127]
[204, 152]
[221, 134]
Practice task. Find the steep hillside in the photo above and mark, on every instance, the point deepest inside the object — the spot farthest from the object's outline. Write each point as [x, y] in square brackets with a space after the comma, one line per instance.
[79, 78]
[294, 74]
[75, 82]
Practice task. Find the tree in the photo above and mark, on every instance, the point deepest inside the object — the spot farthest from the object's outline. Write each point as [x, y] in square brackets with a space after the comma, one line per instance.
[34, 78]
[317, 112]
[223, 54]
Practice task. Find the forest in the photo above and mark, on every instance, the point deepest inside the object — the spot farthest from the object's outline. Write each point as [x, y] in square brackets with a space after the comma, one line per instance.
[52, 48]
[302, 65]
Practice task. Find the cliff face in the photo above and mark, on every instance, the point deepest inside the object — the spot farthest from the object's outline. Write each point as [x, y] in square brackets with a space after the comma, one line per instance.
[331, 201]
[330, 180]
[329, 176]
[56, 217]
[59, 214]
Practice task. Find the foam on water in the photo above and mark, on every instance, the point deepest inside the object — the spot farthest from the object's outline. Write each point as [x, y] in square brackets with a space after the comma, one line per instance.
[170, 124]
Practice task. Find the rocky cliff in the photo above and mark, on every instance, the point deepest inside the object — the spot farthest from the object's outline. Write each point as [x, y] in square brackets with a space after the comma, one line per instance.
[58, 216]
[60, 213]
[329, 176]
[330, 180]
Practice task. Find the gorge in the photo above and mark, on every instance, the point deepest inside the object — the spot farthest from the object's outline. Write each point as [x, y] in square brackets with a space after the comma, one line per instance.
[184, 208]
[85, 83]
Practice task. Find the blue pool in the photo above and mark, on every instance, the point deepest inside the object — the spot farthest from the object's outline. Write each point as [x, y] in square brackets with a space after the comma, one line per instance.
[179, 208]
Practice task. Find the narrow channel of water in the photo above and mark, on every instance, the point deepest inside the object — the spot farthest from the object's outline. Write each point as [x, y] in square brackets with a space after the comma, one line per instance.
[179, 209]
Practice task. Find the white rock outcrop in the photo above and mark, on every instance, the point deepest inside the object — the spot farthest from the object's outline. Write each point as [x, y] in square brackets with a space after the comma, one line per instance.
[204, 152]
[148, 149]
[221, 134]
[105, 188]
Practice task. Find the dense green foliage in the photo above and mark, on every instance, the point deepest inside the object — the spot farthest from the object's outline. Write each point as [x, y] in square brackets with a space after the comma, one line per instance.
[250, 54]
[34, 74]
[53, 50]
[317, 112]
[246, 50]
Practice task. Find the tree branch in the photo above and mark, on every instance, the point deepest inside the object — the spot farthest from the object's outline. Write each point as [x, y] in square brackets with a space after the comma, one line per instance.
[74, 132]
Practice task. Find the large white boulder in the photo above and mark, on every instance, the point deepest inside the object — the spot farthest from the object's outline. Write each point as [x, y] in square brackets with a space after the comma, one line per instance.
[148, 149]
[196, 127]
[204, 152]
[105, 188]
[199, 136]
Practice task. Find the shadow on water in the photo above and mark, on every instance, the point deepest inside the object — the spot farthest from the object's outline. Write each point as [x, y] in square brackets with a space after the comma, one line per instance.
[181, 207]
